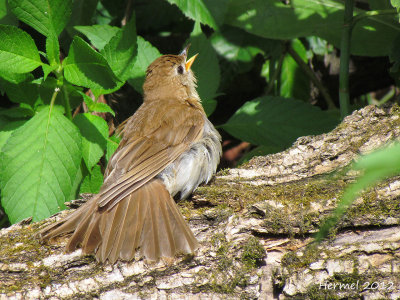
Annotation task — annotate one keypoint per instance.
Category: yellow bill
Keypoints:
(190, 62)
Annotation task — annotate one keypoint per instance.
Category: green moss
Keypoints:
(253, 253)
(295, 197)
(232, 271)
(293, 262)
(375, 209)
(291, 259)
(23, 246)
(316, 293)
(219, 242)
(26, 241)
(289, 208)
(350, 284)
(224, 172)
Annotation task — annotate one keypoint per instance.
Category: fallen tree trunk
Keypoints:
(255, 225)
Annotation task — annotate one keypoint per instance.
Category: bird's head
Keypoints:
(170, 76)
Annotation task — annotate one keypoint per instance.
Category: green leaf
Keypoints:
(386, 159)
(98, 35)
(376, 166)
(86, 67)
(301, 18)
(163, 17)
(108, 11)
(15, 77)
(94, 132)
(82, 12)
(96, 106)
(237, 50)
(47, 69)
(46, 91)
(92, 182)
(49, 17)
(121, 51)
(53, 51)
(319, 46)
(39, 165)
(209, 106)
(101, 107)
(206, 68)
(146, 55)
(98, 92)
(396, 4)
(277, 122)
(237, 46)
(16, 112)
(24, 92)
(7, 129)
(18, 52)
(395, 56)
(112, 145)
(6, 16)
(289, 21)
(217, 9)
(294, 82)
(380, 4)
(199, 11)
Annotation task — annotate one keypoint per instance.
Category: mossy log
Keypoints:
(255, 225)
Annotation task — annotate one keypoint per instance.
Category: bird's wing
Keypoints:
(151, 141)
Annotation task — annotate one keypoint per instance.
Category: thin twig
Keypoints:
(313, 77)
(344, 97)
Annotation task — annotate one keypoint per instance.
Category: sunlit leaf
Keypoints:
(49, 17)
(146, 55)
(92, 182)
(277, 19)
(94, 132)
(205, 67)
(39, 165)
(277, 122)
(112, 145)
(375, 166)
(121, 51)
(86, 67)
(18, 52)
(202, 11)
(99, 35)
(96, 106)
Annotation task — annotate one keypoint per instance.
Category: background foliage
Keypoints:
(267, 74)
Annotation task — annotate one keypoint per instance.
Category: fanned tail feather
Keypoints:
(147, 220)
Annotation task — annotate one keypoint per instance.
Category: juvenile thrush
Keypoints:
(168, 148)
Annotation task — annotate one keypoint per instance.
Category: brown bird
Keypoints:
(168, 148)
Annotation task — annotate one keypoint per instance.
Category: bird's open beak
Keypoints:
(189, 62)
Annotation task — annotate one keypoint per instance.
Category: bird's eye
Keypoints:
(180, 69)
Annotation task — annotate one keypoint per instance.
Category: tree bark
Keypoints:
(255, 225)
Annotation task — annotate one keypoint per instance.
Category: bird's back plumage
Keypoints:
(134, 210)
